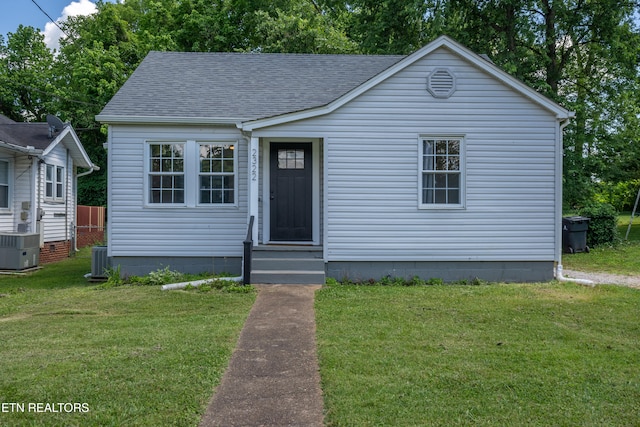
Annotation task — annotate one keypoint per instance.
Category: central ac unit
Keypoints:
(19, 251)
(99, 262)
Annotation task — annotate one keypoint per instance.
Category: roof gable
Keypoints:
(68, 138)
(442, 42)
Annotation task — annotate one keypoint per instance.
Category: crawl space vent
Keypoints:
(441, 83)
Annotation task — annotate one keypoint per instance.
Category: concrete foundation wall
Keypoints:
(493, 271)
(140, 266)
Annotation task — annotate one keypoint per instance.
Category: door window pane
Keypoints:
(290, 159)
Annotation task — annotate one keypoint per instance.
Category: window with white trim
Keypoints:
(54, 183)
(4, 184)
(216, 178)
(166, 173)
(441, 174)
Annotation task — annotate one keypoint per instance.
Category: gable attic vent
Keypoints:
(441, 83)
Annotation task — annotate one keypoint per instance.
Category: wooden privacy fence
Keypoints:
(90, 225)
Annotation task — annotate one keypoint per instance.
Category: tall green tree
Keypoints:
(581, 53)
(99, 53)
(26, 70)
(381, 26)
(302, 29)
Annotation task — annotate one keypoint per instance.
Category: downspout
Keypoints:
(66, 203)
(36, 198)
(559, 276)
(39, 212)
(34, 186)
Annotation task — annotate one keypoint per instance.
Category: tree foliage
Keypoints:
(26, 77)
(584, 54)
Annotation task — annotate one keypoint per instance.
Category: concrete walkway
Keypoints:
(273, 378)
(605, 278)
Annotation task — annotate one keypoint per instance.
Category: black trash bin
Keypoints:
(574, 234)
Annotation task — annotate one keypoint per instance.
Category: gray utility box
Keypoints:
(19, 251)
(574, 234)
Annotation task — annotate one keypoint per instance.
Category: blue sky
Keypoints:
(25, 12)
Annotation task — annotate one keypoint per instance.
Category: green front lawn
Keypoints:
(488, 355)
(496, 354)
(130, 355)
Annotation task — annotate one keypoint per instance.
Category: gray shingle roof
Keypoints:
(24, 134)
(239, 86)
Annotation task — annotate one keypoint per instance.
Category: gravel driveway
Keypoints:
(604, 278)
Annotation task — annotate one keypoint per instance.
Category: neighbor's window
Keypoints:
(4, 184)
(166, 173)
(441, 172)
(217, 174)
(54, 183)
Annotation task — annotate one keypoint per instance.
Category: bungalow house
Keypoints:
(38, 176)
(437, 164)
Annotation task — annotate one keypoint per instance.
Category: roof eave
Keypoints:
(148, 120)
(26, 150)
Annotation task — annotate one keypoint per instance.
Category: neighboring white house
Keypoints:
(436, 164)
(38, 172)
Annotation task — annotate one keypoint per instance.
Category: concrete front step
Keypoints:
(287, 277)
(301, 264)
(287, 265)
(287, 252)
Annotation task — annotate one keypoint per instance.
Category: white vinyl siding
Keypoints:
(372, 155)
(138, 228)
(59, 211)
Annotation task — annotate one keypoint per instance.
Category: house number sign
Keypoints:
(254, 164)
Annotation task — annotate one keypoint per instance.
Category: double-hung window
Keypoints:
(4, 184)
(166, 173)
(441, 173)
(191, 173)
(54, 183)
(216, 174)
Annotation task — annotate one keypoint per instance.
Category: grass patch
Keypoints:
(67, 273)
(533, 354)
(621, 258)
(135, 355)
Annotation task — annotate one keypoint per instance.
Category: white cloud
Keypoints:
(52, 33)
